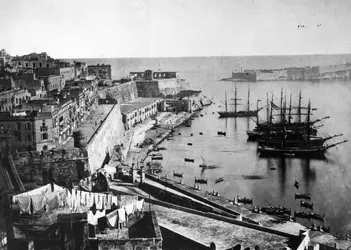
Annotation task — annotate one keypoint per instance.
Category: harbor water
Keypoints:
(267, 181)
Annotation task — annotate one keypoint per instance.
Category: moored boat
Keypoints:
(189, 160)
(302, 215)
(244, 200)
(200, 180)
(306, 204)
(219, 180)
(303, 196)
(220, 132)
(176, 174)
(316, 216)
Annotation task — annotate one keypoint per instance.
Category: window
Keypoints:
(26, 64)
(29, 126)
(29, 137)
(33, 65)
(18, 126)
(40, 65)
(44, 136)
(47, 65)
(19, 138)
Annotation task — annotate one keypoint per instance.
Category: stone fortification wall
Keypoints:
(272, 76)
(148, 89)
(105, 138)
(123, 93)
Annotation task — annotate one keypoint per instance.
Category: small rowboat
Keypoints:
(245, 200)
(302, 215)
(219, 180)
(201, 181)
(189, 160)
(306, 204)
(175, 174)
(189, 144)
(316, 216)
(221, 133)
(303, 196)
(200, 133)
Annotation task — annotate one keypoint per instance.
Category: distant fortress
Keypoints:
(292, 74)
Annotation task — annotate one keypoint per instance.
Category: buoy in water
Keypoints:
(200, 133)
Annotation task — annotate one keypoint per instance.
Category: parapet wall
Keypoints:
(123, 93)
(105, 138)
(148, 89)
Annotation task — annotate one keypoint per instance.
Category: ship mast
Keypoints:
(290, 107)
(308, 122)
(235, 99)
(258, 119)
(299, 109)
(271, 113)
(248, 100)
(226, 102)
(281, 105)
(267, 107)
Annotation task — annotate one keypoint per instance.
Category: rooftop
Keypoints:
(144, 226)
(136, 104)
(224, 235)
(186, 93)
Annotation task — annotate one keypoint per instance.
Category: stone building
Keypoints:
(34, 60)
(184, 101)
(28, 130)
(11, 98)
(159, 83)
(138, 110)
(29, 81)
(101, 71)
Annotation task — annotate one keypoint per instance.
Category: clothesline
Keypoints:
(44, 198)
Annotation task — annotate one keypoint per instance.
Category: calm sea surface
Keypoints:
(329, 181)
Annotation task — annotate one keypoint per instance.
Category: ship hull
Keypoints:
(315, 153)
(223, 114)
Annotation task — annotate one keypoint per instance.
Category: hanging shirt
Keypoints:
(38, 202)
(121, 215)
(73, 198)
(90, 199)
(114, 200)
(68, 199)
(107, 201)
(99, 200)
(91, 219)
(129, 208)
(139, 205)
(24, 203)
(84, 198)
(52, 201)
(112, 218)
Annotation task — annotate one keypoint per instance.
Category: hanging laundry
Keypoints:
(99, 200)
(38, 202)
(24, 203)
(114, 200)
(90, 199)
(129, 209)
(52, 201)
(100, 214)
(68, 199)
(84, 198)
(139, 205)
(73, 198)
(107, 201)
(121, 215)
(112, 218)
(91, 219)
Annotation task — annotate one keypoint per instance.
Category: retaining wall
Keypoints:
(105, 138)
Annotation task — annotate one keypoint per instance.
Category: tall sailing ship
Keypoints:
(295, 144)
(299, 126)
(236, 113)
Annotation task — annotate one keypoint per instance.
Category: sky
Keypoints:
(175, 28)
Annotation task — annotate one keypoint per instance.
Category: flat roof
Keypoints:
(136, 104)
(225, 235)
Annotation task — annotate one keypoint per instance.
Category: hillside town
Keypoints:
(78, 170)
